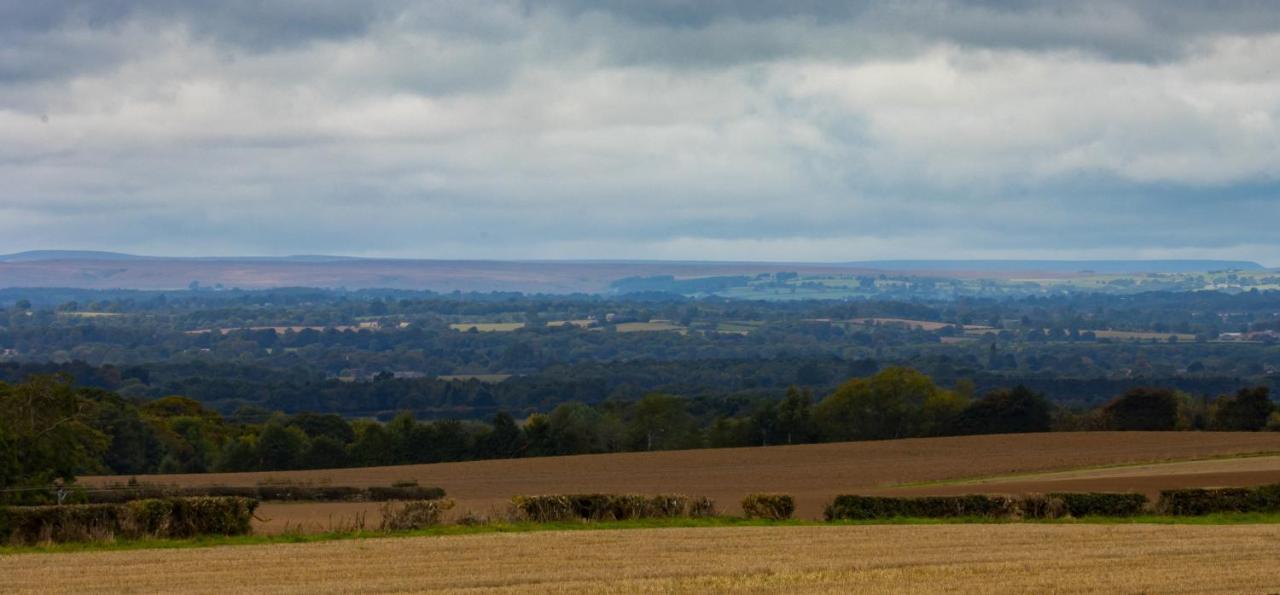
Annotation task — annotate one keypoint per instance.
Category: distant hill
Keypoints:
(47, 255)
(1063, 266)
(111, 270)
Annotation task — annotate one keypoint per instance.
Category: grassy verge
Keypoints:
(983, 479)
(484, 529)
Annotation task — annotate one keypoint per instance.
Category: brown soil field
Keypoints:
(1147, 479)
(1015, 558)
(812, 473)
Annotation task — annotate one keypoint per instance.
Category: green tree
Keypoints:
(1143, 409)
(891, 404)
(1247, 411)
(325, 452)
(373, 446)
(537, 430)
(316, 425)
(506, 440)
(44, 434)
(795, 419)
(1006, 412)
(281, 447)
(239, 454)
(661, 422)
(574, 428)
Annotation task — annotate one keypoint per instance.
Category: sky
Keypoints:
(701, 130)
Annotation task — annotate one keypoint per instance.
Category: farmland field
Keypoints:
(488, 327)
(835, 559)
(1144, 478)
(812, 473)
(651, 326)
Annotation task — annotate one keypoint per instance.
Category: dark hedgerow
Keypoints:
(774, 507)
(265, 493)
(1195, 502)
(1101, 504)
(163, 518)
(609, 507)
(850, 507)
(413, 515)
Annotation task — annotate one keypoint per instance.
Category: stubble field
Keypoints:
(1025, 558)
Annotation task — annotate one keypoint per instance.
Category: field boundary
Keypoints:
(636, 524)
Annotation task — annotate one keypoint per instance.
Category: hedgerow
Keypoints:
(851, 507)
(1079, 504)
(1034, 506)
(609, 507)
(1195, 502)
(163, 518)
(775, 507)
(264, 493)
(417, 514)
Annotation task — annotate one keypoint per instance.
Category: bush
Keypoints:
(1041, 506)
(171, 517)
(1101, 504)
(417, 514)
(774, 507)
(1195, 502)
(880, 507)
(609, 507)
(386, 494)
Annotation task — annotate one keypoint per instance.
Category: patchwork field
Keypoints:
(812, 473)
(1024, 558)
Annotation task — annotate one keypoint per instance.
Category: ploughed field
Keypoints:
(813, 474)
(1023, 558)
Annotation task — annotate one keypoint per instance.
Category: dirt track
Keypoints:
(812, 473)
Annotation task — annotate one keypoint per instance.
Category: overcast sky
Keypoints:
(725, 130)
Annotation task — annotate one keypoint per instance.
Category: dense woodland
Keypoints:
(373, 354)
(63, 431)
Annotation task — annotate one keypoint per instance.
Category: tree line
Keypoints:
(51, 430)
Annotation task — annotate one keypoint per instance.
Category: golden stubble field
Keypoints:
(1023, 558)
(812, 473)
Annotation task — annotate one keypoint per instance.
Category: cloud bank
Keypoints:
(653, 130)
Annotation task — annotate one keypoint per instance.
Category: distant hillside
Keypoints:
(47, 255)
(1064, 266)
(110, 270)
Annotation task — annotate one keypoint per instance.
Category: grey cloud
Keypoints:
(804, 130)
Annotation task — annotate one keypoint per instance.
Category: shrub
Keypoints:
(1195, 502)
(170, 517)
(385, 494)
(774, 507)
(416, 514)
(609, 507)
(209, 515)
(1041, 506)
(879, 507)
(1101, 504)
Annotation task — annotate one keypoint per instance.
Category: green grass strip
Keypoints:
(491, 528)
